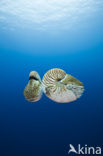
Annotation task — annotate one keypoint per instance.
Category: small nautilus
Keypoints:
(61, 87)
(33, 90)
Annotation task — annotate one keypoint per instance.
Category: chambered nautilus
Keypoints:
(33, 90)
(57, 85)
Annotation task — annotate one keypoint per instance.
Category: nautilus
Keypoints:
(33, 90)
(56, 84)
(61, 87)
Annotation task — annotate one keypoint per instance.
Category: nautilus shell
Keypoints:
(33, 90)
(61, 87)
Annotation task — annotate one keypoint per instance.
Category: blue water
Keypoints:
(46, 128)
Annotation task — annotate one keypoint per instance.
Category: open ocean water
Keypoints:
(41, 35)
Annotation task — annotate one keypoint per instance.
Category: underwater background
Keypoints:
(41, 35)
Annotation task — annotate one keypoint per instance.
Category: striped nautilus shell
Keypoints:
(61, 87)
(33, 90)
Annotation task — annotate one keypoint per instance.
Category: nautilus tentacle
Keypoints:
(33, 90)
(61, 87)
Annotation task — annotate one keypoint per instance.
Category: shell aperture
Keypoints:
(33, 90)
(61, 87)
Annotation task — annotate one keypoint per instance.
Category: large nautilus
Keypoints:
(61, 87)
(56, 84)
(33, 90)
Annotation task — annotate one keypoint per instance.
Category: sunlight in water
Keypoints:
(43, 14)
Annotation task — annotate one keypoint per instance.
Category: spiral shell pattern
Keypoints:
(61, 87)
